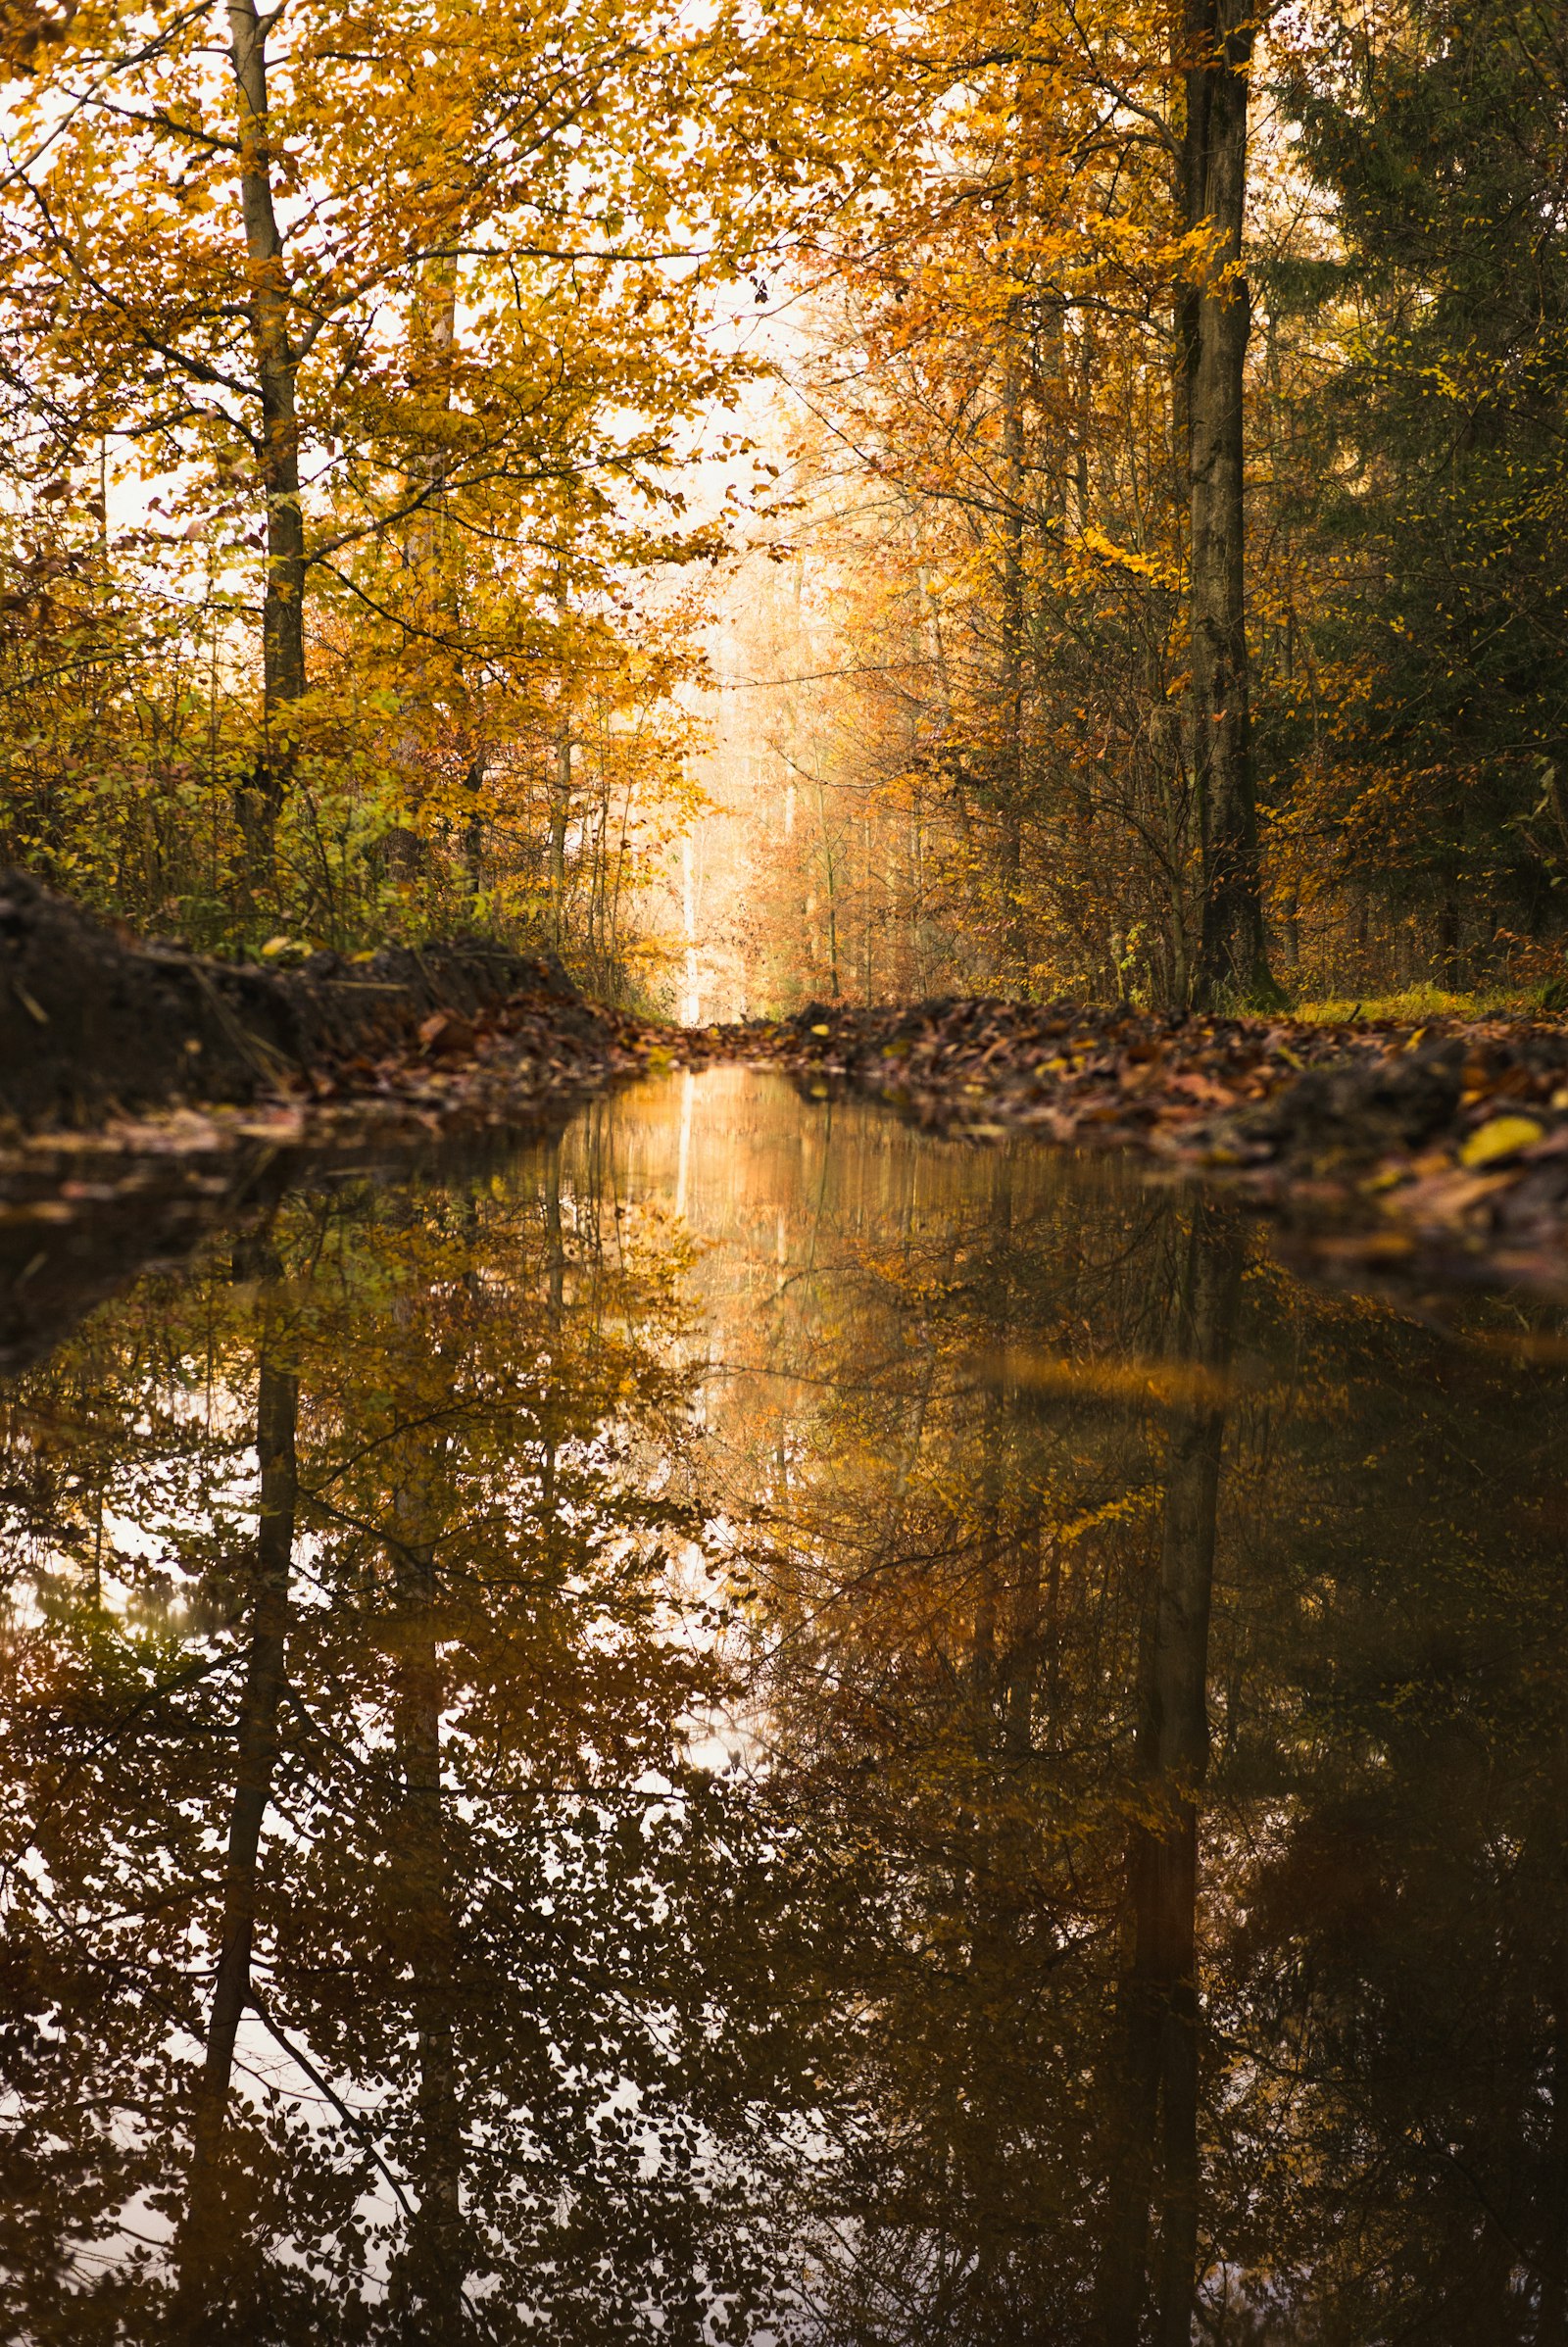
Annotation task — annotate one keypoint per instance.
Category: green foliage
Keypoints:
(1419, 747)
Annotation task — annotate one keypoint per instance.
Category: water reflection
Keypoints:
(751, 1726)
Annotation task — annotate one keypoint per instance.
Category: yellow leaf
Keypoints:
(1499, 1137)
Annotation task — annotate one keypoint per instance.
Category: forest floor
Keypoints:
(139, 1084)
(1441, 1147)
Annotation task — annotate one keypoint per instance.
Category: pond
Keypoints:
(747, 1725)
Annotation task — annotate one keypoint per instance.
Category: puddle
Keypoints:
(747, 1725)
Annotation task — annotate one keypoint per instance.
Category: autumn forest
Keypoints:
(781, 502)
(784, 1173)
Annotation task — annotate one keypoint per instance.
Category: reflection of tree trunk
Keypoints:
(998, 1416)
(997, 1827)
(555, 1241)
(277, 1414)
(556, 1268)
(1156, 2154)
(1551, 2220)
(428, 2286)
(1552, 2253)
(1023, 1657)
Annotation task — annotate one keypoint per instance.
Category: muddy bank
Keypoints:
(131, 1070)
(147, 1094)
(1443, 1147)
(95, 1026)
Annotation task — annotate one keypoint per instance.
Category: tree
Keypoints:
(1215, 55)
(1024, 478)
(235, 280)
(1419, 739)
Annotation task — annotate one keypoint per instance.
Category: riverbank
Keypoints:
(1443, 1147)
(1442, 1144)
(97, 1027)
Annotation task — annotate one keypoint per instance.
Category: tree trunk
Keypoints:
(559, 814)
(1216, 49)
(1154, 2152)
(1013, 630)
(474, 827)
(439, 605)
(261, 800)
(834, 989)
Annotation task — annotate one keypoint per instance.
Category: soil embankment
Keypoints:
(147, 1094)
(1442, 1147)
(95, 1026)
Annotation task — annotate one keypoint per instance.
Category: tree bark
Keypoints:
(1014, 635)
(439, 601)
(283, 678)
(1213, 319)
(473, 828)
(559, 816)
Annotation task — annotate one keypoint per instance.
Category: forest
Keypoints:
(783, 1173)
(781, 502)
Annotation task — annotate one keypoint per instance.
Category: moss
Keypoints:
(1416, 1004)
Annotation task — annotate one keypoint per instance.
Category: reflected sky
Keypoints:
(745, 1725)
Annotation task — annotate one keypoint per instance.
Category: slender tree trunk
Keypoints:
(1216, 51)
(834, 988)
(1155, 2155)
(1014, 641)
(473, 828)
(263, 798)
(438, 603)
(559, 813)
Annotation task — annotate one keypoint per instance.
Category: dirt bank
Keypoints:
(94, 1025)
(147, 1094)
(1444, 1147)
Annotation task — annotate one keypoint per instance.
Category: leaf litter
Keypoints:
(1442, 1150)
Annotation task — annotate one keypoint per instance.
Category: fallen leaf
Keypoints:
(1499, 1137)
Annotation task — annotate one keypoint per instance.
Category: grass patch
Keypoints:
(1414, 1005)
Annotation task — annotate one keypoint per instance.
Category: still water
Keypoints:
(746, 1726)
